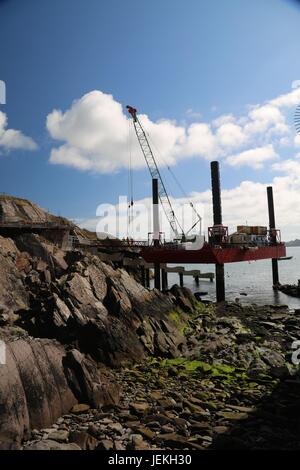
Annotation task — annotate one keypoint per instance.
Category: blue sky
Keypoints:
(185, 61)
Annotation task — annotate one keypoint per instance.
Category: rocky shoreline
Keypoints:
(291, 289)
(65, 320)
(235, 388)
(95, 361)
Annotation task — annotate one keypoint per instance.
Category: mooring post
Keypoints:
(196, 278)
(155, 229)
(181, 279)
(272, 227)
(217, 210)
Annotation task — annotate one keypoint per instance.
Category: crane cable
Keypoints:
(130, 185)
(189, 201)
(176, 181)
(155, 172)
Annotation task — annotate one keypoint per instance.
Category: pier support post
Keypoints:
(157, 276)
(272, 226)
(164, 279)
(196, 278)
(220, 283)
(217, 210)
(155, 230)
(181, 279)
(143, 279)
(147, 277)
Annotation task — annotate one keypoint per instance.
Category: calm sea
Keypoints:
(252, 278)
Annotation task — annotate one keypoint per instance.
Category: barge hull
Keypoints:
(212, 255)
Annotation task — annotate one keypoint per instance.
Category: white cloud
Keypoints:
(265, 117)
(13, 139)
(224, 119)
(199, 140)
(231, 135)
(94, 137)
(245, 203)
(297, 140)
(94, 133)
(254, 158)
(267, 114)
(287, 100)
(248, 202)
(290, 166)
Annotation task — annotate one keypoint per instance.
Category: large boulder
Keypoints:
(39, 382)
(90, 383)
(34, 390)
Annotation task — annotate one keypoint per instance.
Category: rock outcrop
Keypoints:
(65, 317)
(15, 209)
(39, 382)
(290, 289)
(33, 389)
(83, 301)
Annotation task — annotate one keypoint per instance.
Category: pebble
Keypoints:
(105, 444)
(167, 429)
(59, 435)
(116, 427)
(80, 408)
(199, 410)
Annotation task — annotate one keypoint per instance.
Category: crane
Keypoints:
(155, 173)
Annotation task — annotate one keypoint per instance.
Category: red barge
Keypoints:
(248, 245)
(211, 254)
(218, 250)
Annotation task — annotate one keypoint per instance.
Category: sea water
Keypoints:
(253, 278)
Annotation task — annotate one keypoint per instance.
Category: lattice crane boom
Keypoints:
(155, 173)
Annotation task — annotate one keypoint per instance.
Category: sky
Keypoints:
(211, 80)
